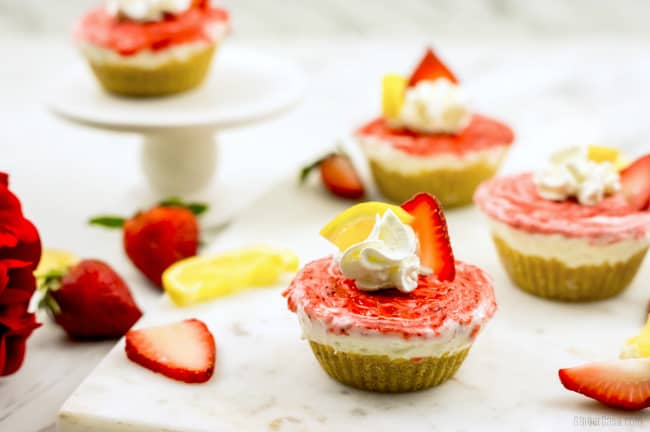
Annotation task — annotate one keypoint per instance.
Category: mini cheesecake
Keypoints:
(428, 139)
(394, 311)
(564, 250)
(157, 57)
(450, 166)
(391, 341)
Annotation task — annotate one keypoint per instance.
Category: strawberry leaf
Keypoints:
(306, 170)
(195, 207)
(108, 221)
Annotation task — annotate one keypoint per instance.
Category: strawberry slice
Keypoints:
(623, 384)
(338, 175)
(431, 68)
(635, 180)
(184, 351)
(431, 228)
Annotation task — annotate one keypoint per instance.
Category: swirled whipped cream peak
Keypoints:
(571, 174)
(386, 259)
(146, 10)
(437, 106)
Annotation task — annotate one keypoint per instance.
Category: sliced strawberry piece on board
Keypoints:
(623, 384)
(183, 351)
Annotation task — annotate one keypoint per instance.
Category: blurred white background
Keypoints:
(456, 18)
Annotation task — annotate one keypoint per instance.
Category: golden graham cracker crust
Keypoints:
(384, 374)
(172, 77)
(453, 187)
(551, 279)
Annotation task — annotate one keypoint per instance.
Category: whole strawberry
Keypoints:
(90, 301)
(157, 238)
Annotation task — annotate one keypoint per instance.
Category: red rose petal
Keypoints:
(3, 354)
(28, 245)
(13, 295)
(22, 279)
(15, 354)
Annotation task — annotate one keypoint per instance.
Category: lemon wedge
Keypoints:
(354, 224)
(202, 278)
(607, 154)
(602, 153)
(392, 97)
(54, 260)
(638, 346)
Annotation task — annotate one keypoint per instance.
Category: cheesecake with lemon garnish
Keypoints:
(429, 140)
(203, 278)
(576, 230)
(392, 310)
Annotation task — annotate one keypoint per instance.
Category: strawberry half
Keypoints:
(430, 69)
(430, 226)
(635, 181)
(183, 351)
(623, 384)
(338, 176)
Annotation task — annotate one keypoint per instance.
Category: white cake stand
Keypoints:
(179, 141)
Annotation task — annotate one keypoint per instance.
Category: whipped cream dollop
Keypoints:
(437, 106)
(571, 173)
(147, 10)
(386, 259)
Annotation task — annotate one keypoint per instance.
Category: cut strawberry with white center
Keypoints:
(623, 384)
(431, 69)
(430, 226)
(184, 351)
(635, 180)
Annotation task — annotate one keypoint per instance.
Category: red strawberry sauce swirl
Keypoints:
(481, 134)
(128, 37)
(514, 201)
(322, 292)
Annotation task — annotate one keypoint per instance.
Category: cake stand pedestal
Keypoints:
(179, 133)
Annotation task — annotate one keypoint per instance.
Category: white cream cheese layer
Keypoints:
(452, 337)
(148, 59)
(572, 252)
(391, 346)
(392, 159)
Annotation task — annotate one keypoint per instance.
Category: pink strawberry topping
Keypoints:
(514, 201)
(127, 37)
(324, 294)
(481, 134)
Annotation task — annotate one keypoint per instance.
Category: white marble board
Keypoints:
(267, 379)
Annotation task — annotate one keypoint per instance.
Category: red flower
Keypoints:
(20, 251)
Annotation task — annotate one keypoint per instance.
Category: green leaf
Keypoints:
(197, 208)
(108, 221)
(305, 171)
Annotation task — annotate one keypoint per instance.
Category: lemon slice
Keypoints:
(204, 278)
(602, 153)
(607, 154)
(638, 346)
(392, 97)
(354, 224)
(54, 260)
